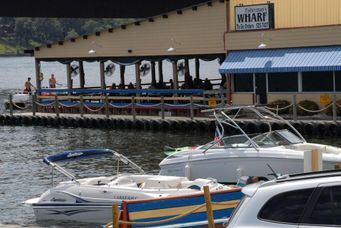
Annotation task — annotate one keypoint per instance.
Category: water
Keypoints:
(23, 175)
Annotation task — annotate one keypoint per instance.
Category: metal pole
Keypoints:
(81, 106)
(106, 106)
(10, 99)
(115, 216)
(334, 108)
(191, 108)
(162, 108)
(294, 108)
(210, 217)
(56, 105)
(133, 111)
(34, 100)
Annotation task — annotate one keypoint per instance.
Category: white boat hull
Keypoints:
(228, 165)
(91, 199)
(88, 214)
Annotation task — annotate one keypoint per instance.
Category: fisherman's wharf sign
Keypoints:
(254, 17)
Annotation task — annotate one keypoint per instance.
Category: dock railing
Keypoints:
(165, 102)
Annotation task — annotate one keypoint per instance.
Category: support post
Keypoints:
(37, 67)
(294, 108)
(187, 73)
(10, 99)
(34, 105)
(191, 108)
(56, 105)
(115, 215)
(229, 89)
(133, 111)
(122, 71)
(68, 76)
(160, 71)
(175, 75)
(81, 75)
(137, 75)
(197, 68)
(334, 108)
(313, 161)
(210, 217)
(101, 70)
(106, 106)
(81, 106)
(162, 107)
(153, 74)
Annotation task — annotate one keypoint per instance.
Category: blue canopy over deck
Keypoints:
(283, 60)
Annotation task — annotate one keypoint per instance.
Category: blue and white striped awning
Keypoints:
(283, 60)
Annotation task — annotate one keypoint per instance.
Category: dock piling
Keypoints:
(56, 105)
(115, 215)
(10, 99)
(209, 210)
(34, 105)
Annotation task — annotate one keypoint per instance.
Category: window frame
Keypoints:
(303, 212)
(311, 206)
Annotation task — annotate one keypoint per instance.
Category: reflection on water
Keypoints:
(24, 175)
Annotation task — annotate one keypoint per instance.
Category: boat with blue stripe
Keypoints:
(148, 212)
(90, 199)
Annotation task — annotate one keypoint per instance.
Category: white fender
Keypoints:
(188, 171)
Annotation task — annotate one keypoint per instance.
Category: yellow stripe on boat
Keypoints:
(180, 210)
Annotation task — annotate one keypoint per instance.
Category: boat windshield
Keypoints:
(276, 138)
(269, 139)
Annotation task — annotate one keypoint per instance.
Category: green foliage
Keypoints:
(280, 104)
(309, 105)
(17, 34)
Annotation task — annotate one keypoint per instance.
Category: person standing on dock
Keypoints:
(28, 86)
(52, 81)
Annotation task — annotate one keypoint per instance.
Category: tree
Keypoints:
(23, 30)
(71, 34)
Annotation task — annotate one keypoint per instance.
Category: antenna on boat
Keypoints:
(273, 171)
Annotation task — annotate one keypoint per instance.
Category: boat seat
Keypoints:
(123, 181)
(164, 182)
(95, 181)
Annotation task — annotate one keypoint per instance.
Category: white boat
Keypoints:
(90, 199)
(19, 101)
(230, 157)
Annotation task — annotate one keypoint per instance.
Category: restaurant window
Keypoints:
(317, 81)
(243, 82)
(283, 82)
(337, 80)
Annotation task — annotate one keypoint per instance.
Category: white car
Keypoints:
(301, 200)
